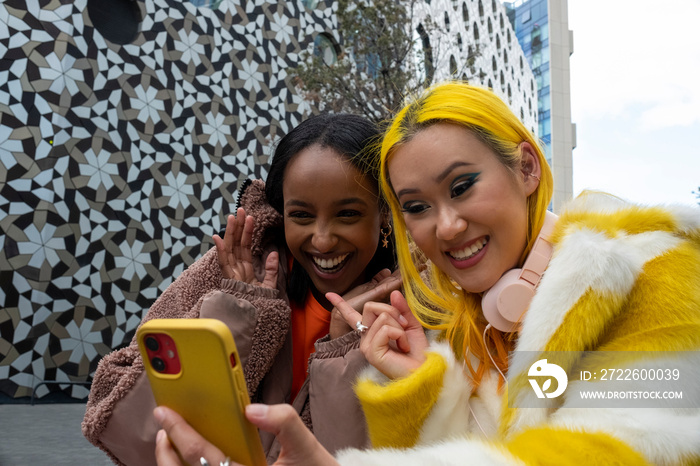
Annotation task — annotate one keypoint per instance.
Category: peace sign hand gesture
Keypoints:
(235, 256)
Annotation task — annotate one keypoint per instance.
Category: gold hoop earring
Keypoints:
(385, 234)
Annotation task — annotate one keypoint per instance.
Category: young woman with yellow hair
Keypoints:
(610, 289)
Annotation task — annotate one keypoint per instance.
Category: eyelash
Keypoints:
(341, 214)
(464, 181)
(299, 214)
(413, 209)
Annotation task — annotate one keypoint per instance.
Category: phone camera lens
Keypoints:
(158, 364)
(152, 344)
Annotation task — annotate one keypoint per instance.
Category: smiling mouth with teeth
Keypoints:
(469, 251)
(330, 265)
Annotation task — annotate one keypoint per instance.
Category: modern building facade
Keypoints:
(473, 40)
(125, 130)
(541, 27)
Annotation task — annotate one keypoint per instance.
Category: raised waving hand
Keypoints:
(235, 256)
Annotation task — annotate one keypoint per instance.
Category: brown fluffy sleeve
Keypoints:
(117, 372)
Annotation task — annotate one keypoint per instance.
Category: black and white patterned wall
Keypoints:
(119, 162)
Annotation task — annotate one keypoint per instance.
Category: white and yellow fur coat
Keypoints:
(622, 278)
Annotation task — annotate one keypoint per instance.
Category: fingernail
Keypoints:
(257, 410)
(160, 435)
(403, 320)
(159, 414)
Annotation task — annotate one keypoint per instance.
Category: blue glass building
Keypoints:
(530, 21)
(541, 27)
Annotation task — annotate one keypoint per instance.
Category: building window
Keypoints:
(325, 48)
(527, 16)
(310, 4)
(459, 41)
(425, 54)
(447, 21)
(453, 66)
(536, 39)
(213, 4)
(454, 4)
(476, 33)
(117, 20)
(370, 64)
(465, 14)
(481, 10)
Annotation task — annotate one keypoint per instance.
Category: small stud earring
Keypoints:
(385, 234)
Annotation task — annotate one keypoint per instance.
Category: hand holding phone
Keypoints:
(299, 446)
(194, 369)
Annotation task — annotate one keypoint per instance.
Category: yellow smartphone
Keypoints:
(194, 369)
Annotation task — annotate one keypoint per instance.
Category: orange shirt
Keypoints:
(309, 323)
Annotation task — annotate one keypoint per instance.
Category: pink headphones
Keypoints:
(506, 301)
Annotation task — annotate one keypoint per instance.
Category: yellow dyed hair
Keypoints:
(443, 305)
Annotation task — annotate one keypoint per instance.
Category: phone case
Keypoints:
(194, 369)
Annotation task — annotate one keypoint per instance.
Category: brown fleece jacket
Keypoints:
(118, 371)
(118, 416)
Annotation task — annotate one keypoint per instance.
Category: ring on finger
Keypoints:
(360, 328)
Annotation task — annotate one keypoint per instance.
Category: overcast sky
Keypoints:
(635, 98)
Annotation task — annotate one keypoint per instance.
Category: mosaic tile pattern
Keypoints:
(118, 163)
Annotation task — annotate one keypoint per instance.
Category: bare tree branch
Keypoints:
(382, 61)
